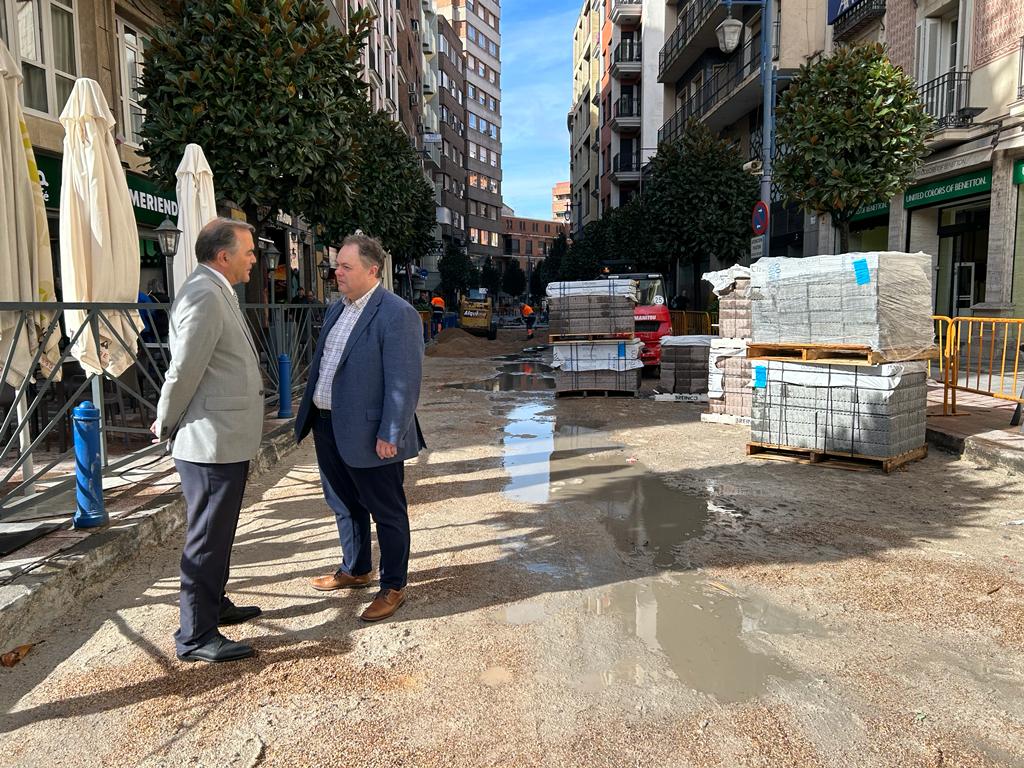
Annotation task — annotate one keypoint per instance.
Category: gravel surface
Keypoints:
(594, 582)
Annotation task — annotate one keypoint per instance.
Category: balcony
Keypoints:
(627, 58)
(947, 100)
(626, 168)
(694, 34)
(731, 92)
(856, 18)
(626, 114)
(1020, 72)
(626, 11)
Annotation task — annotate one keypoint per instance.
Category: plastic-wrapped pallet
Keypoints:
(882, 300)
(734, 310)
(729, 378)
(684, 364)
(876, 411)
(592, 307)
(597, 355)
(598, 380)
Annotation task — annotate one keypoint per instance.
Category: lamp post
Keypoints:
(728, 33)
(324, 268)
(167, 236)
(271, 256)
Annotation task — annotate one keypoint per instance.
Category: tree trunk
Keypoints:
(844, 236)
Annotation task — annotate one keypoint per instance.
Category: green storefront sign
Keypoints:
(965, 185)
(152, 204)
(871, 211)
(1018, 172)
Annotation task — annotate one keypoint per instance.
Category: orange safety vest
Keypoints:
(527, 310)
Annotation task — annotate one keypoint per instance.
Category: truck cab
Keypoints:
(652, 320)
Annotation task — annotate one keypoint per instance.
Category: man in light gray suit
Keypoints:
(211, 406)
(360, 404)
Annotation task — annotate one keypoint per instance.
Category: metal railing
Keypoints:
(982, 355)
(692, 19)
(627, 106)
(626, 162)
(1020, 70)
(856, 18)
(628, 52)
(947, 99)
(691, 323)
(36, 451)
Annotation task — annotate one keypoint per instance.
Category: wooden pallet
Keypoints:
(597, 393)
(554, 338)
(839, 354)
(839, 459)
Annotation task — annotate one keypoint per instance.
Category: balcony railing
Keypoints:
(627, 106)
(1020, 71)
(626, 8)
(626, 162)
(628, 52)
(691, 20)
(947, 100)
(741, 65)
(856, 18)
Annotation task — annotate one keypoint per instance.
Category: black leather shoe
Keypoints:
(237, 614)
(219, 649)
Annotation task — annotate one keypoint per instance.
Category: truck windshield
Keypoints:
(652, 292)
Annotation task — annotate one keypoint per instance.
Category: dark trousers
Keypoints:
(213, 499)
(357, 494)
(438, 318)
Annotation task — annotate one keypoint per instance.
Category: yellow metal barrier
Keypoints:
(985, 358)
(691, 323)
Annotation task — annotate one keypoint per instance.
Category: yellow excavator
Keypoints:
(476, 314)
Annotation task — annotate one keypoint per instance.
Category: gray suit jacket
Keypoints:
(211, 403)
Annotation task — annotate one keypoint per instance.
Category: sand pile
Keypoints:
(455, 342)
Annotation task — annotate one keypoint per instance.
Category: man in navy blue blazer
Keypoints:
(360, 404)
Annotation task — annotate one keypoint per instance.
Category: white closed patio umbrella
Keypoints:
(197, 207)
(26, 272)
(99, 242)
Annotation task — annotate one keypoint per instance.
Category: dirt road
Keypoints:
(594, 583)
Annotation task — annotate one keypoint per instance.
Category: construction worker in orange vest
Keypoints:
(530, 319)
(437, 314)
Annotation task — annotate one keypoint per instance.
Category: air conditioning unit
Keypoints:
(414, 99)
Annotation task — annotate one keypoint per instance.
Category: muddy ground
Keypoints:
(594, 583)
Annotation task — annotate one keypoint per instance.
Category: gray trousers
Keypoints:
(213, 500)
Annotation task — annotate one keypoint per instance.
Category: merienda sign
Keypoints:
(837, 8)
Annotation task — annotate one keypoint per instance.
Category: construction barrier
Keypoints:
(691, 323)
(984, 359)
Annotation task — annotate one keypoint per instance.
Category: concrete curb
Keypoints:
(84, 570)
(979, 450)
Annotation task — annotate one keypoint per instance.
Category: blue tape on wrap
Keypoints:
(760, 377)
(861, 272)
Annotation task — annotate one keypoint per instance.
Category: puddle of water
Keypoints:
(524, 613)
(514, 377)
(528, 444)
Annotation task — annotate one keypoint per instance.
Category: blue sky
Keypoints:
(536, 73)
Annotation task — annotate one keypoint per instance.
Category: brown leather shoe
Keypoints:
(339, 580)
(384, 604)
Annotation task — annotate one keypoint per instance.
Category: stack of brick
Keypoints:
(729, 377)
(592, 336)
(880, 302)
(684, 365)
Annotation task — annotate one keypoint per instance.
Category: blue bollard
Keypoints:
(284, 376)
(91, 511)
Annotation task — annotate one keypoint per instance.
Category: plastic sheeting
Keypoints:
(882, 300)
(720, 350)
(607, 355)
(687, 341)
(722, 281)
(619, 287)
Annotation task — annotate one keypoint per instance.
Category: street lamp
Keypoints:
(728, 33)
(167, 237)
(324, 269)
(271, 257)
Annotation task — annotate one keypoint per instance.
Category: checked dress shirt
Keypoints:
(334, 347)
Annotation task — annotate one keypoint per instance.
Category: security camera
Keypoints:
(754, 167)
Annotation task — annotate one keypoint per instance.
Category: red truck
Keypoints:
(652, 318)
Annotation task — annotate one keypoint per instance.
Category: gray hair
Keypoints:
(370, 250)
(219, 235)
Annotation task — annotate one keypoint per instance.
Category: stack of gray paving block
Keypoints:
(609, 381)
(684, 367)
(590, 315)
(876, 411)
(737, 396)
(881, 300)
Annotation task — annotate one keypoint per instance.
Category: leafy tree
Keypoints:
(854, 131)
(551, 268)
(267, 88)
(583, 261)
(390, 199)
(537, 283)
(698, 200)
(490, 278)
(456, 270)
(513, 282)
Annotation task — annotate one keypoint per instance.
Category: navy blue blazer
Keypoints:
(377, 386)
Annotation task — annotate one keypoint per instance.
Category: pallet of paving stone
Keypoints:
(838, 459)
(724, 418)
(594, 382)
(837, 354)
(583, 315)
(570, 337)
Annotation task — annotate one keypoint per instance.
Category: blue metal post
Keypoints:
(284, 377)
(90, 511)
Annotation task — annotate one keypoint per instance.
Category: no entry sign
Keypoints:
(759, 219)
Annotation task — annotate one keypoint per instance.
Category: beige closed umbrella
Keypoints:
(197, 207)
(26, 272)
(99, 242)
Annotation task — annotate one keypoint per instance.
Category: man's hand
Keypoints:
(386, 450)
(156, 436)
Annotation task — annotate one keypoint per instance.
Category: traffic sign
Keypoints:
(759, 219)
(423, 274)
(756, 247)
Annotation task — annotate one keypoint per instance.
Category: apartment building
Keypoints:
(380, 56)
(478, 25)
(561, 201)
(584, 119)
(966, 207)
(410, 60)
(450, 179)
(529, 241)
